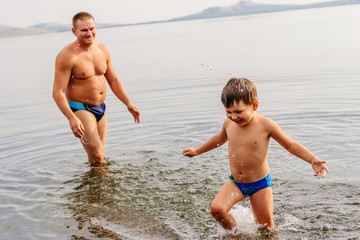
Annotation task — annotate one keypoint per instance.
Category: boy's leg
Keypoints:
(92, 142)
(262, 207)
(227, 197)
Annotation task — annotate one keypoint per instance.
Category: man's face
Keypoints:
(85, 31)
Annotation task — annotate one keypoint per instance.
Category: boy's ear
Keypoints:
(255, 105)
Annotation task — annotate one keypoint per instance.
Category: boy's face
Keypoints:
(241, 113)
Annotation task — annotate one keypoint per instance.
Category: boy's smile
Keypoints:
(240, 113)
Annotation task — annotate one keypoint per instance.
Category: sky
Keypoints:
(24, 13)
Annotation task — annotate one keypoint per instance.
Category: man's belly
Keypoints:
(91, 96)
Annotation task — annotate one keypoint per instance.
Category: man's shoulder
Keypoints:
(66, 55)
(67, 51)
(102, 47)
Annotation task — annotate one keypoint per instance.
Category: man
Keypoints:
(80, 90)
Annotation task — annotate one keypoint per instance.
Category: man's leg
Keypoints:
(92, 142)
(102, 130)
(262, 207)
(227, 197)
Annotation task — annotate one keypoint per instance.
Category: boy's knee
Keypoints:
(217, 210)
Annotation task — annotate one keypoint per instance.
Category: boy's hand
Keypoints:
(189, 152)
(319, 168)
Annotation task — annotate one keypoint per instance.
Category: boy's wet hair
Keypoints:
(81, 16)
(238, 89)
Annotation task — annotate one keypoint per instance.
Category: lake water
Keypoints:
(306, 65)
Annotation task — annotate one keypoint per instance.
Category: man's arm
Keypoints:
(297, 149)
(214, 142)
(61, 81)
(119, 90)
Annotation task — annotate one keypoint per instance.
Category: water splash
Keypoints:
(245, 222)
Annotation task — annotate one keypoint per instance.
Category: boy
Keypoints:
(249, 134)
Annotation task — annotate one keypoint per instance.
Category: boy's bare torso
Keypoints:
(87, 83)
(248, 148)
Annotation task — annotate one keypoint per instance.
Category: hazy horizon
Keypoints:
(23, 13)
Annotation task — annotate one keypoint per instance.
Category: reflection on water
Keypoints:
(158, 202)
(92, 197)
(111, 202)
(100, 203)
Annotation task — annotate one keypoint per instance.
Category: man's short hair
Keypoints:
(81, 16)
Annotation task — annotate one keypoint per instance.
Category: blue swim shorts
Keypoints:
(249, 189)
(98, 110)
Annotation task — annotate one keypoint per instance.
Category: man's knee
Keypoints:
(96, 155)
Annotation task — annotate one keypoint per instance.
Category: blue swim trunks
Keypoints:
(249, 189)
(98, 110)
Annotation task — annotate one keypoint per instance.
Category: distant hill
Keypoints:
(249, 7)
(42, 28)
(52, 27)
(238, 9)
(8, 31)
(64, 27)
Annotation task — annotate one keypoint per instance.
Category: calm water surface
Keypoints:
(306, 65)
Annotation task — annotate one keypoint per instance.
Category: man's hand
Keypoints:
(134, 111)
(77, 127)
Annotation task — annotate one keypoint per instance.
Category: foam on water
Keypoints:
(245, 222)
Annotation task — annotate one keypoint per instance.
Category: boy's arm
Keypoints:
(298, 150)
(214, 142)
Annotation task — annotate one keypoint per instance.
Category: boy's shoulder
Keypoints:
(264, 120)
(226, 122)
(258, 119)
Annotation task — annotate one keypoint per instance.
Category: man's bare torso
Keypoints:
(248, 148)
(87, 83)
